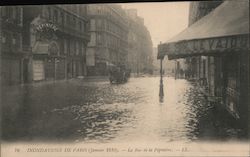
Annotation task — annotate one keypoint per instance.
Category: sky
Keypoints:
(163, 19)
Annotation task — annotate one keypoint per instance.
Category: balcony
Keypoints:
(13, 49)
(26, 49)
(10, 23)
(74, 32)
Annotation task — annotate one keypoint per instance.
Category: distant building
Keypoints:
(168, 66)
(108, 38)
(140, 47)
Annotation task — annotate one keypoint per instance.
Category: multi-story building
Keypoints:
(108, 38)
(58, 37)
(222, 66)
(14, 54)
(198, 66)
(226, 75)
(46, 42)
(140, 47)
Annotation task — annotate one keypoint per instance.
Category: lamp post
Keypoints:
(161, 92)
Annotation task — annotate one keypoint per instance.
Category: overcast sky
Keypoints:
(163, 19)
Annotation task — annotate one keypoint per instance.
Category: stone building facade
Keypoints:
(45, 42)
(14, 54)
(58, 36)
(140, 47)
(118, 37)
(108, 38)
(225, 76)
(198, 66)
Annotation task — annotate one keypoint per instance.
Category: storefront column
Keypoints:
(55, 62)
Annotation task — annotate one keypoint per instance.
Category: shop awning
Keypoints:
(225, 28)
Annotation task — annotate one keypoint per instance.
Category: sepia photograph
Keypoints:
(125, 79)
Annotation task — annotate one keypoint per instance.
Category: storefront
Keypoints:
(47, 64)
(223, 37)
(38, 70)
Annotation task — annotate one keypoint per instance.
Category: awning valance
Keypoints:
(225, 28)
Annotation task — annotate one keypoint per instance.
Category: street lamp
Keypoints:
(161, 92)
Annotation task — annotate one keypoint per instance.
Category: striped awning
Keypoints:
(225, 28)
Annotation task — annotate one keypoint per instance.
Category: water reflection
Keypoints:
(99, 112)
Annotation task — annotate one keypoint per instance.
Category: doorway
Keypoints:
(25, 70)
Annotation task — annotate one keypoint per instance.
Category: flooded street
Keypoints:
(96, 111)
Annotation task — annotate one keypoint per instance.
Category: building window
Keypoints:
(10, 12)
(83, 49)
(67, 19)
(55, 16)
(3, 38)
(74, 22)
(83, 27)
(14, 13)
(65, 46)
(4, 11)
(74, 47)
(61, 47)
(6, 37)
(99, 39)
(14, 41)
(79, 25)
(68, 47)
(78, 10)
(77, 48)
(62, 18)
(99, 24)
(80, 48)
(46, 12)
(99, 9)
(50, 13)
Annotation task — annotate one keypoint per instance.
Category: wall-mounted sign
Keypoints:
(46, 26)
(202, 46)
(46, 30)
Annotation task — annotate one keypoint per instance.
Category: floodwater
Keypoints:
(96, 111)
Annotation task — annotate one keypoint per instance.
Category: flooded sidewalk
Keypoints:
(96, 111)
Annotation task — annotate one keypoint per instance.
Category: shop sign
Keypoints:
(204, 45)
(46, 26)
